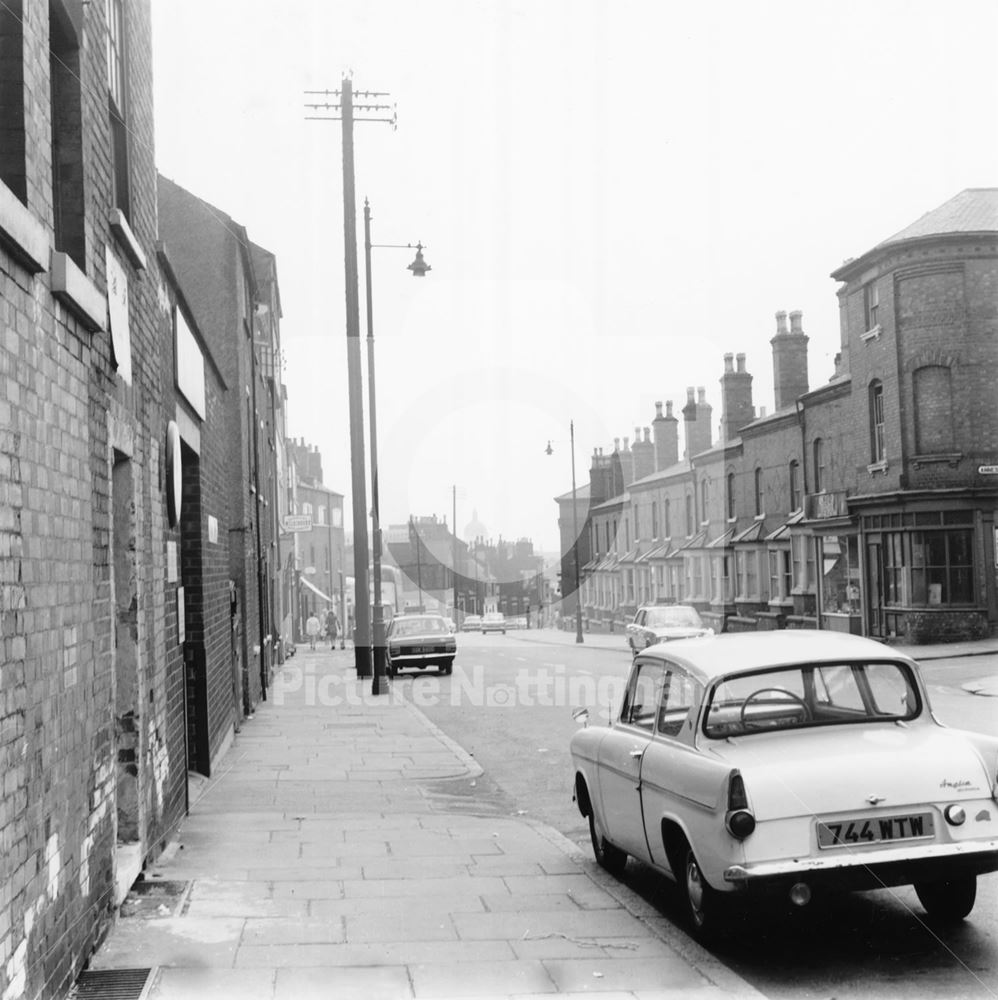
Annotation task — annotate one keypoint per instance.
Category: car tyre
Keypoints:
(948, 900)
(613, 859)
(702, 903)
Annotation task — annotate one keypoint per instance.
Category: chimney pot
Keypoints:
(616, 444)
(690, 394)
(728, 365)
(658, 410)
(647, 434)
(795, 321)
(627, 444)
(781, 321)
(668, 408)
(740, 359)
(701, 394)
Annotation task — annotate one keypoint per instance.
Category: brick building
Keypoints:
(215, 265)
(866, 504)
(138, 491)
(84, 706)
(315, 556)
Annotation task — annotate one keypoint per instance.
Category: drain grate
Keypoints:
(111, 984)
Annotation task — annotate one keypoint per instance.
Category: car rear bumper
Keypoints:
(870, 869)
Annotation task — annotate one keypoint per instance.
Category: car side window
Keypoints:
(644, 695)
(639, 618)
(680, 695)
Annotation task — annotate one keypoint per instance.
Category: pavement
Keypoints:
(333, 854)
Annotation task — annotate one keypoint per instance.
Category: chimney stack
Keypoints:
(736, 398)
(666, 437)
(643, 453)
(789, 360)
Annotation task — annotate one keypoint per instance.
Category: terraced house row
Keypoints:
(142, 480)
(867, 504)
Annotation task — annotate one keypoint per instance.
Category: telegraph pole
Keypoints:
(362, 598)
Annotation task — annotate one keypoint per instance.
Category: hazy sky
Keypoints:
(612, 195)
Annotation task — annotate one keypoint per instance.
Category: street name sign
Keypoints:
(297, 522)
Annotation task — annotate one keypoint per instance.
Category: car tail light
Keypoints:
(739, 818)
(955, 815)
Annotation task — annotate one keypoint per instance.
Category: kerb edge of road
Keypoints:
(706, 964)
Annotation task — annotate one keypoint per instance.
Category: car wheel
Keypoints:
(948, 900)
(702, 903)
(613, 859)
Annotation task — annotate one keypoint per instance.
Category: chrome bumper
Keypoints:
(912, 854)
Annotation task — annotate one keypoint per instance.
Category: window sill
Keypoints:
(22, 233)
(123, 233)
(872, 334)
(950, 458)
(77, 292)
(876, 467)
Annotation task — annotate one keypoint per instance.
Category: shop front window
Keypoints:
(942, 564)
(840, 580)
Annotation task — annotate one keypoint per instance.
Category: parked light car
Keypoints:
(663, 623)
(786, 762)
(420, 641)
(493, 621)
(471, 623)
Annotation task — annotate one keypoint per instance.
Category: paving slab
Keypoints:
(325, 858)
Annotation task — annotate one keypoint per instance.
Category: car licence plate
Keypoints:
(875, 829)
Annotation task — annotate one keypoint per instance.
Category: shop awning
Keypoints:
(315, 590)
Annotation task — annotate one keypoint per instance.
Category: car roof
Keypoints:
(418, 615)
(744, 652)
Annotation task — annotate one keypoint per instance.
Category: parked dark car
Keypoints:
(420, 641)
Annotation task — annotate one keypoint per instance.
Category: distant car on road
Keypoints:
(785, 764)
(471, 623)
(493, 621)
(663, 623)
(420, 641)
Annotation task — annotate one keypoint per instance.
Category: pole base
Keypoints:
(380, 685)
(362, 660)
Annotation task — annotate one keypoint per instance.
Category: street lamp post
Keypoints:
(575, 537)
(419, 268)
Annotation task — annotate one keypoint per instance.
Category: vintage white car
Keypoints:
(664, 623)
(783, 764)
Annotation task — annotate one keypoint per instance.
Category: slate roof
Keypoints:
(974, 210)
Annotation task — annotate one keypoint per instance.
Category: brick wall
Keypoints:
(62, 408)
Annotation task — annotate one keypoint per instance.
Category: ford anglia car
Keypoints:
(420, 641)
(784, 764)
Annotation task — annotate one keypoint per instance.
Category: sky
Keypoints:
(612, 195)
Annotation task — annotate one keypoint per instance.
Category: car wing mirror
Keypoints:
(581, 715)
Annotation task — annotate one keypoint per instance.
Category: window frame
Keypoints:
(876, 412)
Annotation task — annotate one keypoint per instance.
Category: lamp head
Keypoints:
(419, 267)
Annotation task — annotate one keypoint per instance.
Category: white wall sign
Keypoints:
(190, 367)
(171, 562)
(181, 613)
(212, 529)
(117, 312)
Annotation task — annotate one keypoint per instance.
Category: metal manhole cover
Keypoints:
(110, 984)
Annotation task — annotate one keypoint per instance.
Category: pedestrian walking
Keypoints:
(332, 627)
(312, 627)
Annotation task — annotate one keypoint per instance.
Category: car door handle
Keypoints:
(638, 752)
